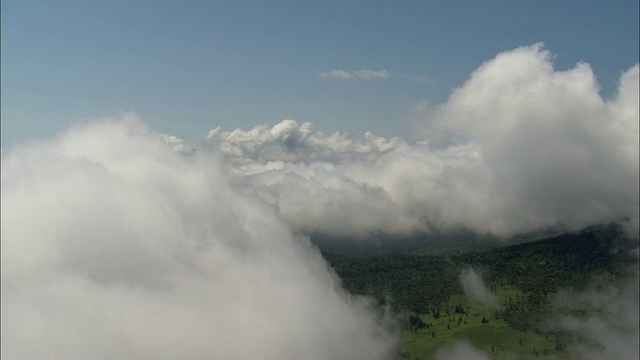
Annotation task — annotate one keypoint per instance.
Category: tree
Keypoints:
(436, 314)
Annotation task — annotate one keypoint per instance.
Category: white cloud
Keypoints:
(474, 287)
(357, 74)
(518, 147)
(116, 246)
(178, 144)
(553, 149)
(337, 74)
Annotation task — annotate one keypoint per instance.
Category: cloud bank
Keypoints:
(553, 150)
(519, 147)
(115, 245)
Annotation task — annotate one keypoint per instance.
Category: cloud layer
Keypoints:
(114, 245)
(520, 146)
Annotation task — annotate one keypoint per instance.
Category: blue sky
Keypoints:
(189, 66)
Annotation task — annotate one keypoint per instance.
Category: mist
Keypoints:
(609, 333)
(461, 351)
(122, 242)
(114, 245)
(475, 289)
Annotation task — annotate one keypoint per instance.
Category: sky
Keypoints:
(188, 67)
(163, 165)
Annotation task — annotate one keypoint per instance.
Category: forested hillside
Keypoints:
(418, 282)
(566, 260)
(424, 288)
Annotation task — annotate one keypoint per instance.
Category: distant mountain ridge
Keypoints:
(436, 242)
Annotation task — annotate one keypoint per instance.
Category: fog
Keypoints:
(460, 351)
(122, 242)
(611, 332)
(116, 246)
(476, 290)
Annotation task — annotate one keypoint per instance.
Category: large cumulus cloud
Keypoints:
(116, 246)
(555, 150)
(520, 146)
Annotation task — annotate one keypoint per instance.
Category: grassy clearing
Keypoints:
(496, 338)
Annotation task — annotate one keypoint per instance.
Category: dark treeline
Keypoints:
(545, 265)
(542, 267)
(409, 282)
(423, 283)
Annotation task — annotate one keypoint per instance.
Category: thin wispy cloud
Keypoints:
(364, 74)
(357, 74)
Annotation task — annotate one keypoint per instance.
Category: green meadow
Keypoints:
(495, 337)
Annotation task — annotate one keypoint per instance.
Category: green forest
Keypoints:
(422, 288)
